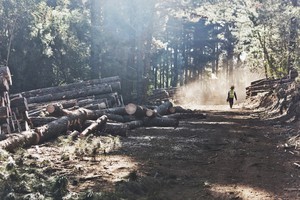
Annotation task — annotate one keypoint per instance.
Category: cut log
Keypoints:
(135, 124)
(115, 129)
(73, 135)
(71, 86)
(136, 110)
(94, 126)
(56, 110)
(4, 112)
(150, 113)
(164, 108)
(97, 106)
(61, 125)
(40, 121)
(160, 122)
(88, 91)
(179, 109)
(22, 139)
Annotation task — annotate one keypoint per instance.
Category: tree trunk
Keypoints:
(96, 30)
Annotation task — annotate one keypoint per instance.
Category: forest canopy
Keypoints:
(148, 43)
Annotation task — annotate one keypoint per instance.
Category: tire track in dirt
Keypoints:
(230, 155)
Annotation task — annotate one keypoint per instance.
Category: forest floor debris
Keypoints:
(231, 154)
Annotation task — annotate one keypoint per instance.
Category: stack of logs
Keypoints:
(13, 111)
(82, 122)
(264, 85)
(162, 94)
(80, 109)
(91, 94)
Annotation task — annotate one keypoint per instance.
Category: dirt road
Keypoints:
(230, 155)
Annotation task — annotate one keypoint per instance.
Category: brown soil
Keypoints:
(231, 154)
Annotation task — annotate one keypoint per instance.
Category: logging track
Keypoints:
(231, 154)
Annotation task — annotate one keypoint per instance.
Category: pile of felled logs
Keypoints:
(82, 122)
(162, 94)
(268, 85)
(264, 85)
(13, 111)
(91, 94)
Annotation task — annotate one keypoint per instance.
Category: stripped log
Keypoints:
(94, 126)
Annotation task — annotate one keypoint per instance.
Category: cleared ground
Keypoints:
(231, 154)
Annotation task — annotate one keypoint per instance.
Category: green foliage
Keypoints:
(149, 44)
(262, 29)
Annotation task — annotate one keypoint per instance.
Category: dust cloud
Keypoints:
(213, 90)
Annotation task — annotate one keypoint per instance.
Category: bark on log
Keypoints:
(71, 86)
(22, 139)
(186, 116)
(115, 129)
(56, 110)
(88, 91)
(135, 124)
(179, 109)
(97, 106)
(120, 118)
(160, 122)
(94, 126)
(40, 121)
(136, 110)
(163, 109)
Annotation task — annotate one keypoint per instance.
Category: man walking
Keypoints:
(231, 95)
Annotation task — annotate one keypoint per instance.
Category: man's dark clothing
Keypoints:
(231, 96)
